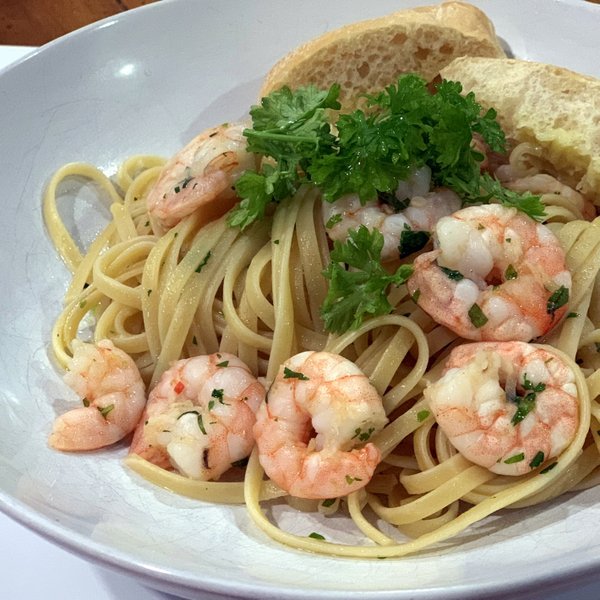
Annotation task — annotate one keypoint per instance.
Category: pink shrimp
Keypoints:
(510, 406)
(543, 183)
(201, 176)
(494, 274)
(326, 394)
(199, 417)
(113, 394)
(423, 209)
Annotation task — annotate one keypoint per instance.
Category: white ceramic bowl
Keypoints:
(146, 81)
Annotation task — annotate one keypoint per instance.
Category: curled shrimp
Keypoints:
(113, 394)
(201, 177)
(543, 183)
(495, 274)
(318, 409)
(199, 417)
(421, 213)
(509, 406)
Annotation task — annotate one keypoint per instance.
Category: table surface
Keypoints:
(35, 22)
(31, 567)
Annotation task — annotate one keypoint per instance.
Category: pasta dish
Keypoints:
(369, 313)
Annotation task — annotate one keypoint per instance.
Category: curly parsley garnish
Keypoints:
(358, 282)
(290, 127)
(403, 128)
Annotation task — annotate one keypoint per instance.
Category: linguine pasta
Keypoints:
(257, 294)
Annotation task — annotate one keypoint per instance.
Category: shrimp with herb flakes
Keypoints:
(199, 417)
(543, 183)
(405, 222)
(495, 274)
(313, 429)
(113, 394)
(201, 177)
(510, 406)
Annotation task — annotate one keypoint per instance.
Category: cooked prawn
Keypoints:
(113, 394)
(201, 177)
(319, 407)
(494, 274)
(199, 417)
(424, 209)
(510, 406)
(543, 183)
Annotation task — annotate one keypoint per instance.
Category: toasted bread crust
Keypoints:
(549, 106)
(365, 57)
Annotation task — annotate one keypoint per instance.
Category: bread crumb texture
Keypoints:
(367, 56)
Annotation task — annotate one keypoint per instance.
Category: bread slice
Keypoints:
(552, 107)
(367, 56)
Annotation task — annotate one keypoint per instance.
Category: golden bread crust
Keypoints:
(367, 56)
(549, 106)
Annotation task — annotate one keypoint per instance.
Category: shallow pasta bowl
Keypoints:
(145, 82)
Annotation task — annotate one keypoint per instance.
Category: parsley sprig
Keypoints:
(404, 127)
(358, 282)
(291, 128)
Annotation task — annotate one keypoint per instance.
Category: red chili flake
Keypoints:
(179, 387)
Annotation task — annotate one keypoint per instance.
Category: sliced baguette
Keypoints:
(367, 56)
(552, 107)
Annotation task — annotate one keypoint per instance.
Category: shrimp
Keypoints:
(327, 395)
(113, 393)
(509, 407)
(495, 274)
(201, 177)
(542, 183)
(424, 209)
(199, 417)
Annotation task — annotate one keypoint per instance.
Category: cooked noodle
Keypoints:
(257, 294)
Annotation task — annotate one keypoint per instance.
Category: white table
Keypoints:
(32, 568)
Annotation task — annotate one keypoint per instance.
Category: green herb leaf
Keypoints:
(558, 299)
(105, 410)
(515, 459)
(218, 394)
(405, 127)
(289, 374)
(412, 241)
(548, 468)
(422, 415)
(525, 404)
(357, 281)
(333, 220)
(289, 127)
(477, 316)
(534, 387)
(482, 188)
(203, 262)
(350, 480)
(329, 502)
(198, 418)
(452, 274)
(363, 436)
(537, 460)
(510, 273)
(316, 536)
